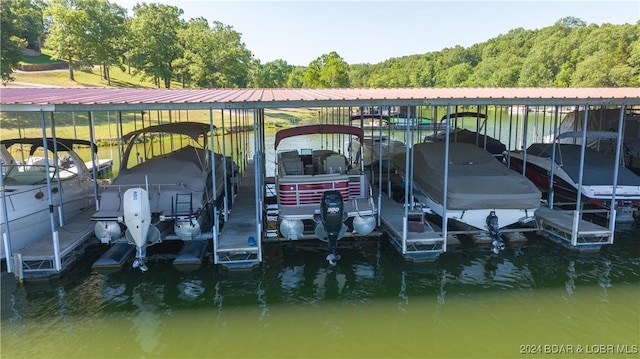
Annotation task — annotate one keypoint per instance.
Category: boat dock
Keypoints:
(239, 247)
(422, 243)
(569, 230)
(39, 260)
(105, 166)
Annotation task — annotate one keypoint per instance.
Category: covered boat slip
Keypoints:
(475, 179)
(233, 244)
(239, 245)
(598, 167)
(41, 260)
(415, 238)
(572, 232)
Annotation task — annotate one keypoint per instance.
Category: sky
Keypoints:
(300, 31)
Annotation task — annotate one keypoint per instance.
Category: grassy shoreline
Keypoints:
(75, 125)
(106, 124)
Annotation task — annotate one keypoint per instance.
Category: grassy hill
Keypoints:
(75, 125)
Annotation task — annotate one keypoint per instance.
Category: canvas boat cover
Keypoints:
(598, 167)
(476, 179)
(462, 135)
(179, 167)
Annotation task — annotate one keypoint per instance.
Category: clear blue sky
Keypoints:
(373, 31)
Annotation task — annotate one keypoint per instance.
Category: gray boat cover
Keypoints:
(179, 167)
(598, 167)
(476, 179)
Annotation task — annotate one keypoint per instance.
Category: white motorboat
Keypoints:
(322, 191)
(165, 193)
(375, 150)
(481, 192)
(563, 170)
(604, 120)
(27, 197)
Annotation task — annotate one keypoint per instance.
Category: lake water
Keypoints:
(538, 299)
(469, 303)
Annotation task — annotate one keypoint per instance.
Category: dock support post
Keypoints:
(18, 266)
(56, 251)
(7, 252)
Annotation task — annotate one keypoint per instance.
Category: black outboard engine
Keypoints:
(332, 216)
(494, 232)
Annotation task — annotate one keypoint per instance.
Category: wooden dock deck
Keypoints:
(558, 226)
(38, 260)
(239, 244)
(423, 243)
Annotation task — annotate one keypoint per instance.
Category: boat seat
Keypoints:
(335, 163)
(292, 166)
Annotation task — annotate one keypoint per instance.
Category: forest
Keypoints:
(156, 43)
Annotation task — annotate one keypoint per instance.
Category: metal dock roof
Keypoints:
(103, 99)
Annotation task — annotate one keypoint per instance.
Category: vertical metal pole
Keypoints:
(577, 213)
(553, 160)
(94, 160)
(614, 205)
(54, 232)
(408, 165)
(525, 129)
(233, 129)
(225, 207)
(445, 188)
(56, 166)
(212, 155)
(6, 233)
(258, 116)
(119, 134)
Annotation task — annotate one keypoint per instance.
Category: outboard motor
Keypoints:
(332, 216)
(494, 232)
(137, 218)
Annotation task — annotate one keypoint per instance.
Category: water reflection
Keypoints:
(148, 299)
(295, 288)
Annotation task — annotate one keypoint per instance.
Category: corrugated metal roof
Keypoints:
(74, 99)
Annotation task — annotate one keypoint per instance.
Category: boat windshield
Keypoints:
(32, 170)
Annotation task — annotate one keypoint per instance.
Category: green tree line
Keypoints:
(156, 43)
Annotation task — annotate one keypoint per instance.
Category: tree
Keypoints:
(11, 44)
(296, 77)
(327, 71)
(154, 40)
(105, 36)
(272, 74)
(68, 27)
(28, 15)
(213, 57)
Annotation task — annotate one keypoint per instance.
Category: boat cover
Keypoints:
(598, 167)
(476, 179)
(462, 135)
(178, 167)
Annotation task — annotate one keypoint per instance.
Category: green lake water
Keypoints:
(535, 300)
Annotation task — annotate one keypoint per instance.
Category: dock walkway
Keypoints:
(38, 260)
(422, 244)
(239, 243)
(558, 226)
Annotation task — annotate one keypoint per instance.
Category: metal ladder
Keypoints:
(177, 208)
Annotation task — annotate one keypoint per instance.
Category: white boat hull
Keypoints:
(477, 218)
(29, 218)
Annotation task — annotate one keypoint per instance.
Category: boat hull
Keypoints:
(596, 193)
(29, 217)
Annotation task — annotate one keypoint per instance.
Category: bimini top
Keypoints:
(317, 129)
(191, 129)
(464, 114)
(66, 143)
